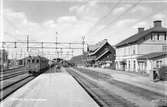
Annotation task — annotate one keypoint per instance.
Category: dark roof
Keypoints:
(140, 35)
(97, 45)
(152, 55)
(102, 54)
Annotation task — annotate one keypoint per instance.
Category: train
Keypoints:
(35, 65)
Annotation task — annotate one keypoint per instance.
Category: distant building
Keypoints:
(3, 59)
(144, 50)
(79, 60)
(101, 54)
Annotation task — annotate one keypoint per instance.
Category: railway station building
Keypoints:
(143, 51)
(102, 54)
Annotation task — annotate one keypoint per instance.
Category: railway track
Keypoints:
(139, 91)
(11, 81)
(9, 89)
(103, 97)
(7, 83)
(9, 75)
(12, 70)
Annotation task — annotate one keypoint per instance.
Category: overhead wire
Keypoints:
(125, 12)
(102, 18)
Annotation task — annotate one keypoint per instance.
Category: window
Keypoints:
(165, 37)
(164, 48)
(134, 64)
(37, 61)
(151, 36)
(28, 60)
(134, 51)
(33, 61)
(158, 64)
(157, 36)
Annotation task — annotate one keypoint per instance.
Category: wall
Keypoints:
(151, 43)
(148, 44)
(127, 50)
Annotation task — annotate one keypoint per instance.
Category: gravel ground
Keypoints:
(135, 92)
(136, 80)
(102, 95)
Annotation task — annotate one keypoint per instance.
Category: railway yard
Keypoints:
(83, 53)
(79, 87)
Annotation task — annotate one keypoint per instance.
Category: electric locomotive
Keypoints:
(35, 64)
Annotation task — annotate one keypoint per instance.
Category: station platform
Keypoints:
(51, 89)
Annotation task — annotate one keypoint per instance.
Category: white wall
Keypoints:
(146, 48)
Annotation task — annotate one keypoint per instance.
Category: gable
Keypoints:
(102, 48)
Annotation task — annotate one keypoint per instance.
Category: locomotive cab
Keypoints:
(33, 65)
(36, 64)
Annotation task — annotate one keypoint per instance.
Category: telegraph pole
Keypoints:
(83, 44)
(56, 45)
(42, 47)
(61, 52)
(28, 44)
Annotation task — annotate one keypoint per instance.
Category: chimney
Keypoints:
(140, 29)
(157, 23)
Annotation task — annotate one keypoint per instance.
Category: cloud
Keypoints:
(92, 10)
(70, 28)
(159, 16)
(141, 9)
(125, 22)
(120, 9)
(49, 24)
(67, 19)
(141, 24)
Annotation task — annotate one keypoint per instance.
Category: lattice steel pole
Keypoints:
(28, 44)
(83, 44)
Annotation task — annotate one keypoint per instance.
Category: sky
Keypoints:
(114, 20)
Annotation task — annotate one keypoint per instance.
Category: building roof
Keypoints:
(97, 45)
(152, 55)
(140, 35)
(102, 54)
(94, 48)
